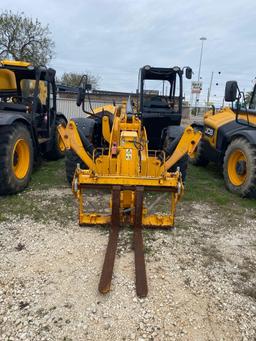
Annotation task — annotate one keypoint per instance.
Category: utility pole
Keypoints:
(201, 57)
(203, 39)
(209, 89)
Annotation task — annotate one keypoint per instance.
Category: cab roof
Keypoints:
(24, 69)
(159, 73)
(14, 63)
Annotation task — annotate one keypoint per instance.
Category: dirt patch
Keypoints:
(201, 279)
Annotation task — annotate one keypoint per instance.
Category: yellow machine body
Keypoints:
(127, 163)
(220, 119)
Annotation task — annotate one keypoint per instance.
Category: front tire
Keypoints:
(239, 168)
(71, 161)
(198, 158)
(172, 138)
(86, 126)
(16, 158)
(183, 165)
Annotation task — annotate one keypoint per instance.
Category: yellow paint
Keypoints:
(128, 163)
(106, 128)
(71, 139)
(220, 118)
(235, 178)
(15, 63)
(187, 144)
(20, 159)
(60, 142)
(7, 80)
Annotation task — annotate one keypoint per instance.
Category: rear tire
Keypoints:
(198, 158)
(72, 159)
(16, 158)
(239, 168)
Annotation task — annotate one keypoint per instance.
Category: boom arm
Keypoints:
(186, 145)
(71, 139)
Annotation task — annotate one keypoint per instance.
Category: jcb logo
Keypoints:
(209, 131)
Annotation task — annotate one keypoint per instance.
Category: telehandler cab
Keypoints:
(111, 150)
(229, 140)
(28, 122)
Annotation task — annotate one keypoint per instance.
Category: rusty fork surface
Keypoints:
(108, 265)
(140, 267)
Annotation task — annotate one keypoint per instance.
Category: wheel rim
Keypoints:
(61, 143)
(20, 159)
(237, 171)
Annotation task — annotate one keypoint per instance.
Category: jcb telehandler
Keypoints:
(229, 140)
(130, 153)
(28, 122)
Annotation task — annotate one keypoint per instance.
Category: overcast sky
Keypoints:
(113, 39)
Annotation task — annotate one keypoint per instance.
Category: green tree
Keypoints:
(24, 38)
(74, 78)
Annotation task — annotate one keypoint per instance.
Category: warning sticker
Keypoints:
(128, 154)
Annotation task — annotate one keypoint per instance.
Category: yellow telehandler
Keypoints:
(111, 150)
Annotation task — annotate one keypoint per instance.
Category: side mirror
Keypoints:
(188, 73)
(80, 96)
(231, 91)
(83, 87)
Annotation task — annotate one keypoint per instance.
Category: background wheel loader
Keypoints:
(229, 140)
(129, 153)
(28, 122)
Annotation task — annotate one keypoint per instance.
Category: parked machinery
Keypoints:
(229, 140)
(28, 122)
(111, 150)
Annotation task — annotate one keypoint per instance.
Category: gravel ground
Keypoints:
(201, 278)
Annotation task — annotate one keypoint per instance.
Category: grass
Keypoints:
(35, 202)
(48, 175)
(204, 185)
(207, 185)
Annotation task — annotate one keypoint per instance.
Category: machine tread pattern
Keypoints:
(200, 158)
(71, 161)
(248, 188)
(171, 141)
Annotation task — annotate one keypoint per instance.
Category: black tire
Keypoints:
(172, 138)
(199, 156)
(16, 158)
(85, 128)
(58, 148)
(240, 171)
(183, 165)
(71, 162)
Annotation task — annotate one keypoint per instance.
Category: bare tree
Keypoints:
(22, 38)
(248, 97)
(73, 79)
